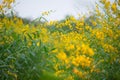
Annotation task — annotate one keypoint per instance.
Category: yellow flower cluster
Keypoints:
(82, 60)
(5, 4)
(75, 45)
(79, 73)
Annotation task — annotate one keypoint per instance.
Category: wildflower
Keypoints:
(1, 7)
(109, 48)
(77, 72)
(62, 56)
(94, 23)
(70, 78)
(114, 7)
(55, 51)
(29, 43)
(87, 27)
(70, 47)
(103, 1)
(75, 63)
(38, 43)
(91, 52)
(107, 4)
(100, 35)
(59, 72)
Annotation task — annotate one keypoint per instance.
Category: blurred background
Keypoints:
(32, 9)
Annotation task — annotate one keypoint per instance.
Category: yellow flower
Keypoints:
(94, 23)
(100, 35)
(77, 72)
(70, 47)
(84, 48)
(87, 27)
(103, 1)
(109, 48)
(56, 66)
(38, 43)
(70, 78)
(55, 51)
(107, 4)
(82, 60)
(62, 56)
(25, 29)
(59, 72)
(75, 63)
(91, 52)
(1, 7)
(114, 7)
(29, 43)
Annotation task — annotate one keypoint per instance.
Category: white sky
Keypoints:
(34, 8)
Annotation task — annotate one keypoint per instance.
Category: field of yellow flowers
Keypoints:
(71, 49)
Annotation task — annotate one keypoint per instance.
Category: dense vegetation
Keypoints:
(71, 49)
